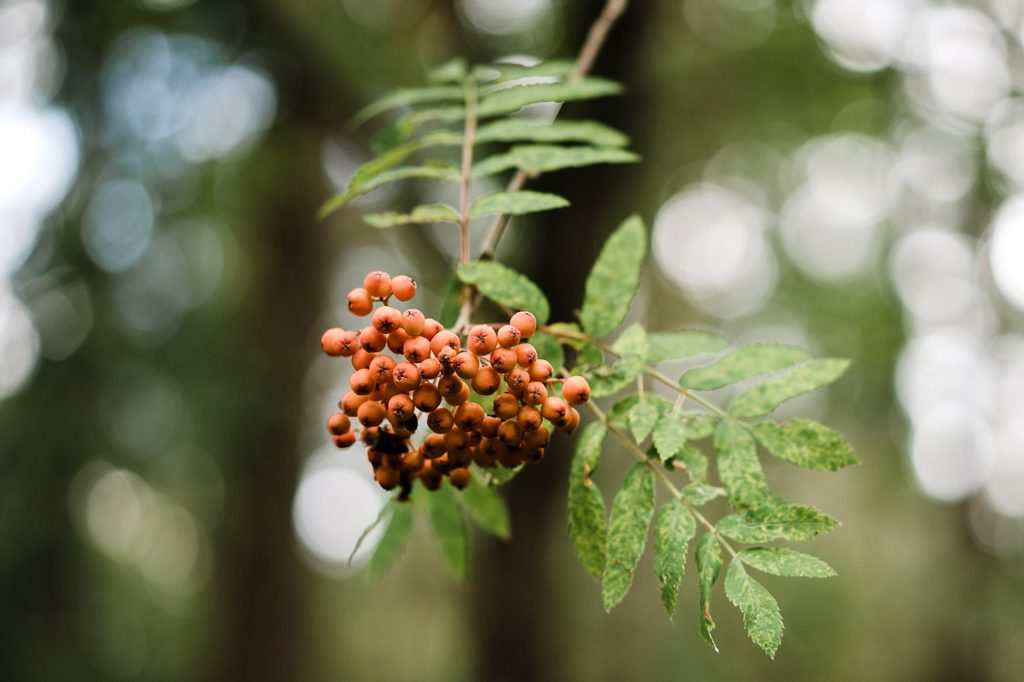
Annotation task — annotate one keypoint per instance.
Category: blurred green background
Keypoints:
(842, 174)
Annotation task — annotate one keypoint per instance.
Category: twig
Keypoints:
(376, 522)
(467, 168)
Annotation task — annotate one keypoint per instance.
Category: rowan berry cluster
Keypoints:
(433, 373)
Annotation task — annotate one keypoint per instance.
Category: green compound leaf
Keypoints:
(519, 130)
(515, 203)
(587, 526)
(452, 71)
(486, 507)
(619, 414)
(434, 171)
(613, 280)
(698, 494)
(785, 562)
(550, 348)
(699, 424)
(739, 468)
(408, 97)
(765, 397)
(627, 532)
(502, 475)
(793, 522)
(428, 213)
(498, 73)
(709, 564)
(514, 98)
(761, 616)
(696, 462)
(674, 527)
(631, 346)
(393, 541)
(644, 415)
(504, 285)
(670, 434)
(683, 344)
(545, 158)
(740, 364)
(806, 443)
(450, 531)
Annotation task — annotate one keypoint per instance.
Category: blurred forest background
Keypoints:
(843, 174)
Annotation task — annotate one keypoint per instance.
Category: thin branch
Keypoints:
(376, 522)
(467, 167)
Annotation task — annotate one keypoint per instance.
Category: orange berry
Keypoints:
(386, 319)
(331, 342)
(431, 327)
(529, 418)
(516, 381)
(466, 365)
(571, 421)
(362, 358)
(403, 287)
(371, 413)
(378, 283)
(486, 381)
(413, 322)
(450, 385)
(459, 398)
(489, 427)
(536, 393)
(416, 349)
(426, 397)
(430, 368)
(445, 339)
(506, 406)
(361, 382)
(396, 340)
(482, 339)
(456, 439)
(372, 340)
(576, 390)
(509, 336)
(360, 302)
(345, 440)
(460, 477)
(469, 416)
(503, 360)
(526, 354)
(510, 433)
(433, 445)
(541, 370)
(525, 322)
(440, 420)
(400, 406)
(537, 438)
(406, 376)
(350, 403)
(338, 423)
(387, 477)
(555, 410)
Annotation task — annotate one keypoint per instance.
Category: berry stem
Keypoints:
(661, 476)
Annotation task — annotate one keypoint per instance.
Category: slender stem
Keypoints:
(661, 475)
(467, 167)
(596, 37)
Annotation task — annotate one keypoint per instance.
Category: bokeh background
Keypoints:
(847, 175)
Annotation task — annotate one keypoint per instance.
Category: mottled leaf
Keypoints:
(644, 415)
(587, 525)
(674, 527)
(392, 541)
(740, 364)
(698, 494)
(545, 158)
(510, 99)
(683, 344)
(793, 522)
(437, 171)
(619, 414)
(450, 530)
(486, 507)
(699, 424)
(761, 616)
(696, 462)
(670, 434)
(428, 213)
(504, 285)
(738, 466)
(515, 203)
(767, 396)
(806, 443)
(785, 562)
(452, 71)
(523, 130)
(614, 278)
(627, 532)
(709, 564)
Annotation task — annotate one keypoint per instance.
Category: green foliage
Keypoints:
(740, 364)
(709, 564)
(683, 344)
(645, 414)
(785, 562)
(449, 527)
(696, 462)
(670, 434)
(543, 158)
(549, 348)
(792, 522)
(765, 397)
(674, 527)
(614, 278)
(504, 285)
(761, 616)
(739, 467)
(806, 443)
(408, 97)
(627, 532)
(392, 541)
(698, 494)
(511, 99)
(515, 203)
(520, 130)
(486, 507)
(587, 527)
(429, 213)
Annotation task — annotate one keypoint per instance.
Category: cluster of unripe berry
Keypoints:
(432, 373)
